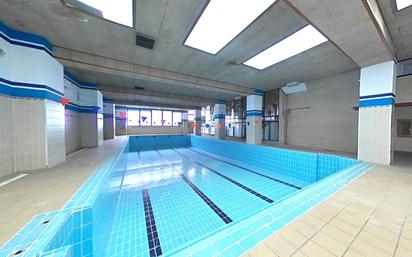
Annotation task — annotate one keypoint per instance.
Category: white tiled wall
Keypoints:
(6, 136)
(375, 134)
(55, 133)
(29, 134)
(72, 131)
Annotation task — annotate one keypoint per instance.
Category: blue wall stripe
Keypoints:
(23, 84)
(220, 116)
(25, 39)
(377, 102)
(378, 95)
(83, 109)
(258, 92)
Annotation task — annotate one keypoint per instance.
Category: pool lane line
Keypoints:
(206, 199)
(209, 202)
(267, 199)
(151, 229)
(249, 170)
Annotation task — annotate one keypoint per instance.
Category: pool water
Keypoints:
(171, 195)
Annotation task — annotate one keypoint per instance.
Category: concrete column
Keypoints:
(108, 120)
(219, 115)
(197, 130)
(254, 132)
(185, 121)
(376, 108)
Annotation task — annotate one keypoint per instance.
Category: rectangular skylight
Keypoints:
(222, 20)
(300, 41)
(402, 4)
(119, 11)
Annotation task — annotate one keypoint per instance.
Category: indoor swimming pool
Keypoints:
(185, 196)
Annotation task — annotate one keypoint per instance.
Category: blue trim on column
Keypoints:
(20, 89)
(220, 116)
(378, 95)
(25, 39)
(221, 102)
(83, 109)
(198, 108)
(255, 113)
(107, 100)
(81, 84)
(258, 92)
(107, 115)
(377, 102)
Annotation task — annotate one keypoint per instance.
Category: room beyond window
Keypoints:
(119, 11)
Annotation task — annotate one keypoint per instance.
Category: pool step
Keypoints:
(65, 251)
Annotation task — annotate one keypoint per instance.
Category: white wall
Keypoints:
(329, 122)
(156, 130)
(72, 131)
(7, 156)
(55, 127)
(403, 95)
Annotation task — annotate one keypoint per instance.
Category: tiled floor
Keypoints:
(371, 217)
(49, 189)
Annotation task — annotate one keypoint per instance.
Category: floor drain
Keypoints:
(18, 252)
(45, 222)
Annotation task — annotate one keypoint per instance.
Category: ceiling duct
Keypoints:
(294, 87)
(144, 41)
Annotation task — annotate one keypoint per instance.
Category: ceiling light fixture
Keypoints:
(402, 4)
(302, 40)
(223, 20)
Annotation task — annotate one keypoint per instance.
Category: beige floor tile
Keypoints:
(405, 243)
(280, 246)
(260, 251)
(353, 253)
(313, 221)
(345, 226)
(311, 249)
(330, 244)
(299, 254)
(368, 249)
(381, 232)
(378, 242)
(293, 237)
(402, 252)
(303, 228)
(338, 234)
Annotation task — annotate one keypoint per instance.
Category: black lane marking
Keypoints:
(209, 202)
(206, 199)
(230, 180)
(152, 236)
(252, 171)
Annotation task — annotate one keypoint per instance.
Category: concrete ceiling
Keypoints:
(400, 27)
(105, 53)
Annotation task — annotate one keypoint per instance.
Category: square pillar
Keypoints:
(219, 115)
(376, 112)
(197, 127)
(254, 115)
(108, 120)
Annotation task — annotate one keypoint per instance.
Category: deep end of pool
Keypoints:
(183, 195)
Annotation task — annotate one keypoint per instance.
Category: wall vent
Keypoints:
(294, 87)
(144, 41)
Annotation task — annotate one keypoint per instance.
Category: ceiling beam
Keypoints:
(154, 97)
(96, 63)
(354, 26)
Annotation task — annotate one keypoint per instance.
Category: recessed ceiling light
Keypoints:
(222, 20)
(300, 41)
(402, 4)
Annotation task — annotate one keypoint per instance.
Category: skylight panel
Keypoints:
(300, 41)
(222, 20)
(119, 11)
(402, 4)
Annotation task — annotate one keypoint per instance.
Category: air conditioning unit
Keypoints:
(294, 87)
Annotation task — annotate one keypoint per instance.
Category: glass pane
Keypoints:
(167, 118)
(177, 118)
(156, 117)
(145, 118)
(133, 117)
